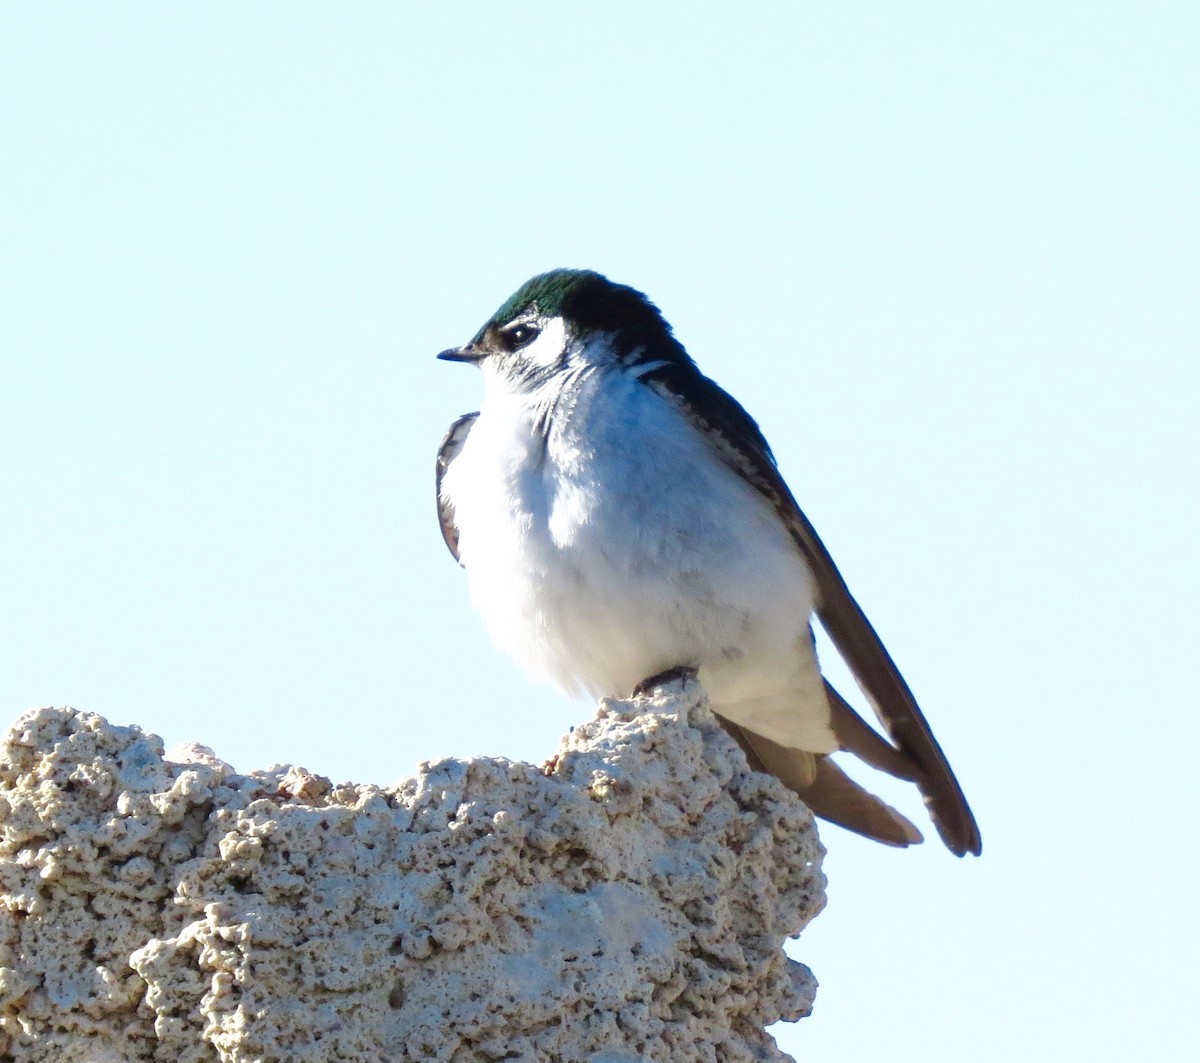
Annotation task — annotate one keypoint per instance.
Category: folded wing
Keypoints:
(913, 751)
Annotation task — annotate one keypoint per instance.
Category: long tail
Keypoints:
(825, 788)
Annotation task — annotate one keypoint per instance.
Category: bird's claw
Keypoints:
(683, 672)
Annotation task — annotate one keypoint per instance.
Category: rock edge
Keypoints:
(626, 902)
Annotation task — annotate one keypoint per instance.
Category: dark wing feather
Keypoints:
(737, 440)
(855, 734)
(452, 443)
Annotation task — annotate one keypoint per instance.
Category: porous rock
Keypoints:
(627, 901)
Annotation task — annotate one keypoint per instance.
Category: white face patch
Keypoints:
(524, 370)
(546, 350)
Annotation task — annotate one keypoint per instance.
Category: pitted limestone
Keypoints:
(628, 903)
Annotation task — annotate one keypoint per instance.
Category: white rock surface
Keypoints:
(627, 902)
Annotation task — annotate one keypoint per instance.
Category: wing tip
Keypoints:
(959, 831)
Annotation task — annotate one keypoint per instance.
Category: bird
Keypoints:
(622, 521)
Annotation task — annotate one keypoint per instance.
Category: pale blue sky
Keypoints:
(945, 253)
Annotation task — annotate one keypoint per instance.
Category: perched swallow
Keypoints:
(621, 518)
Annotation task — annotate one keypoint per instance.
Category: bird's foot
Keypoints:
(684, 672)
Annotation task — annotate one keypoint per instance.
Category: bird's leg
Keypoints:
(646, 687)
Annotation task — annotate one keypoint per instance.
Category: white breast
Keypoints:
(621, 546)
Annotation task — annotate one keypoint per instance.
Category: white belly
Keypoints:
(622, 548)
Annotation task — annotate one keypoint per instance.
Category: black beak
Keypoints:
(469, 353)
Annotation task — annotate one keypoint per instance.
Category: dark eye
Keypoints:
(519, 336)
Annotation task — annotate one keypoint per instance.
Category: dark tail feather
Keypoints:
(825, 788)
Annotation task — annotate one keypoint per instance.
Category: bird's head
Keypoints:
(567, 318)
